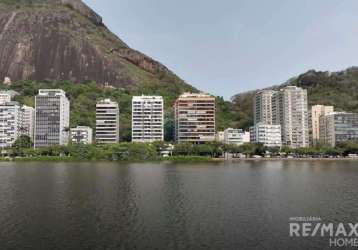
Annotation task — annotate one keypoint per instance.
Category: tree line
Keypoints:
(129, 151)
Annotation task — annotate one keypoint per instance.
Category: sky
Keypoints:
(226, 47)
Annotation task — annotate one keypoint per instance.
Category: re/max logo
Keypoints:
(307, 229)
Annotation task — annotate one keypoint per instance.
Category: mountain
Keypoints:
(66, 40)
(339, 89)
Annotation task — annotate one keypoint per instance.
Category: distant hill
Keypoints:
(339, 89)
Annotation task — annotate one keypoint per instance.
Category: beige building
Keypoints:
(195, 118)
(318, 113)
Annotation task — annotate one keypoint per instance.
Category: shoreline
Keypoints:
(286, 159)
(173, 160)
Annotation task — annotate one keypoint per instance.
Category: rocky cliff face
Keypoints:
(66, 40)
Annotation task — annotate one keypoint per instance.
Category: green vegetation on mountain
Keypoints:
(339, 89)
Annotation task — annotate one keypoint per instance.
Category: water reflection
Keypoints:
(237, 205)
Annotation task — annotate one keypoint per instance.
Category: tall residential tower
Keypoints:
(107, 122)
(27, 121)
(318, 121)
(9, 123)
(52, 118)
(290, 110)
(195, 118)
(147, 119)
(263, 107)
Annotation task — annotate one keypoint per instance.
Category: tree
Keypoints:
(169, 125)
(253, 149)
(203, 150)
(23, 141)
(183, 149)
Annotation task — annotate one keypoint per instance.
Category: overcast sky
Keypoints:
(229, 46)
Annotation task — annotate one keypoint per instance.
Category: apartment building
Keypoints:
(341, 127)
(107, 122)
(27, 121)
(52, 118)
(268, 135)
(81, 135)
(290, 110)
(263, 107)
(9, 123)
(147, 118)
(195, 118)
(236, 136)
(7, 96)
(318, 123)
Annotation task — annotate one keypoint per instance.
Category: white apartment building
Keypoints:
(81, 135)
(236, 136)
(290, 110)
(4, 97)
(341, 127)
(263, 107)
(318, 123)
(195, 118)
(9, 123)
(27, 121)
(7, 95)
(147, 118)
(268, 135)
(52, 118)
(107, 122)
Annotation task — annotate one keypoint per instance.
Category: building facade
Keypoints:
(9, 123)
(341, 127)
(7, 95)
(81, 135)
(107, 122)
(147, 118)
(290, 110)
(27, 121)
(236, 136)
(318, 123)
(268, 135)
(263, 107)
(195, 118)
(52, 118)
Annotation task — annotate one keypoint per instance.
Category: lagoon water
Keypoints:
(240, 205)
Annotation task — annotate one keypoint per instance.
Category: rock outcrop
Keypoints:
(67, 40)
